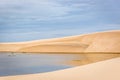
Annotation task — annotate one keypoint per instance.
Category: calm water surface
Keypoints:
(19, 63)
(30, 63)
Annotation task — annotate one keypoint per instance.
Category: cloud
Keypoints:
(38, 9)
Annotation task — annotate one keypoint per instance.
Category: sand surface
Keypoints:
(104, 70)
(108, 41)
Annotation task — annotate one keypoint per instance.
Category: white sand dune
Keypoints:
(108, 41)
(104, 70)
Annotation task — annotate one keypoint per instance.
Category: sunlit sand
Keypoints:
(108, 41)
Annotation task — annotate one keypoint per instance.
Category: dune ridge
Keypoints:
(108, 41)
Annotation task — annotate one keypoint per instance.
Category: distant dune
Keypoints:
(108, 41)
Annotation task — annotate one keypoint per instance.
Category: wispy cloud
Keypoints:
(38, 9)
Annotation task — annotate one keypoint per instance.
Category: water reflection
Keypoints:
(88, 58)
(19, 63)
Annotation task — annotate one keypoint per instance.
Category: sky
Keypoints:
(26, 20)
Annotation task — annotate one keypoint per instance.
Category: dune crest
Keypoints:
(108, 41)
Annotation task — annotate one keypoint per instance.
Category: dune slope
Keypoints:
(108, 41)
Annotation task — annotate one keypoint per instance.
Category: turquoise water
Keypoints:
(19, 63)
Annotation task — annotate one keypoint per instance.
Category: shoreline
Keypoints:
(103, 70)
(64, 52)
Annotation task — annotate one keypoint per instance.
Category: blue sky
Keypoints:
(25, 20)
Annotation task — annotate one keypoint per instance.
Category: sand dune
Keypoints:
(104, 70)
(108, 41)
